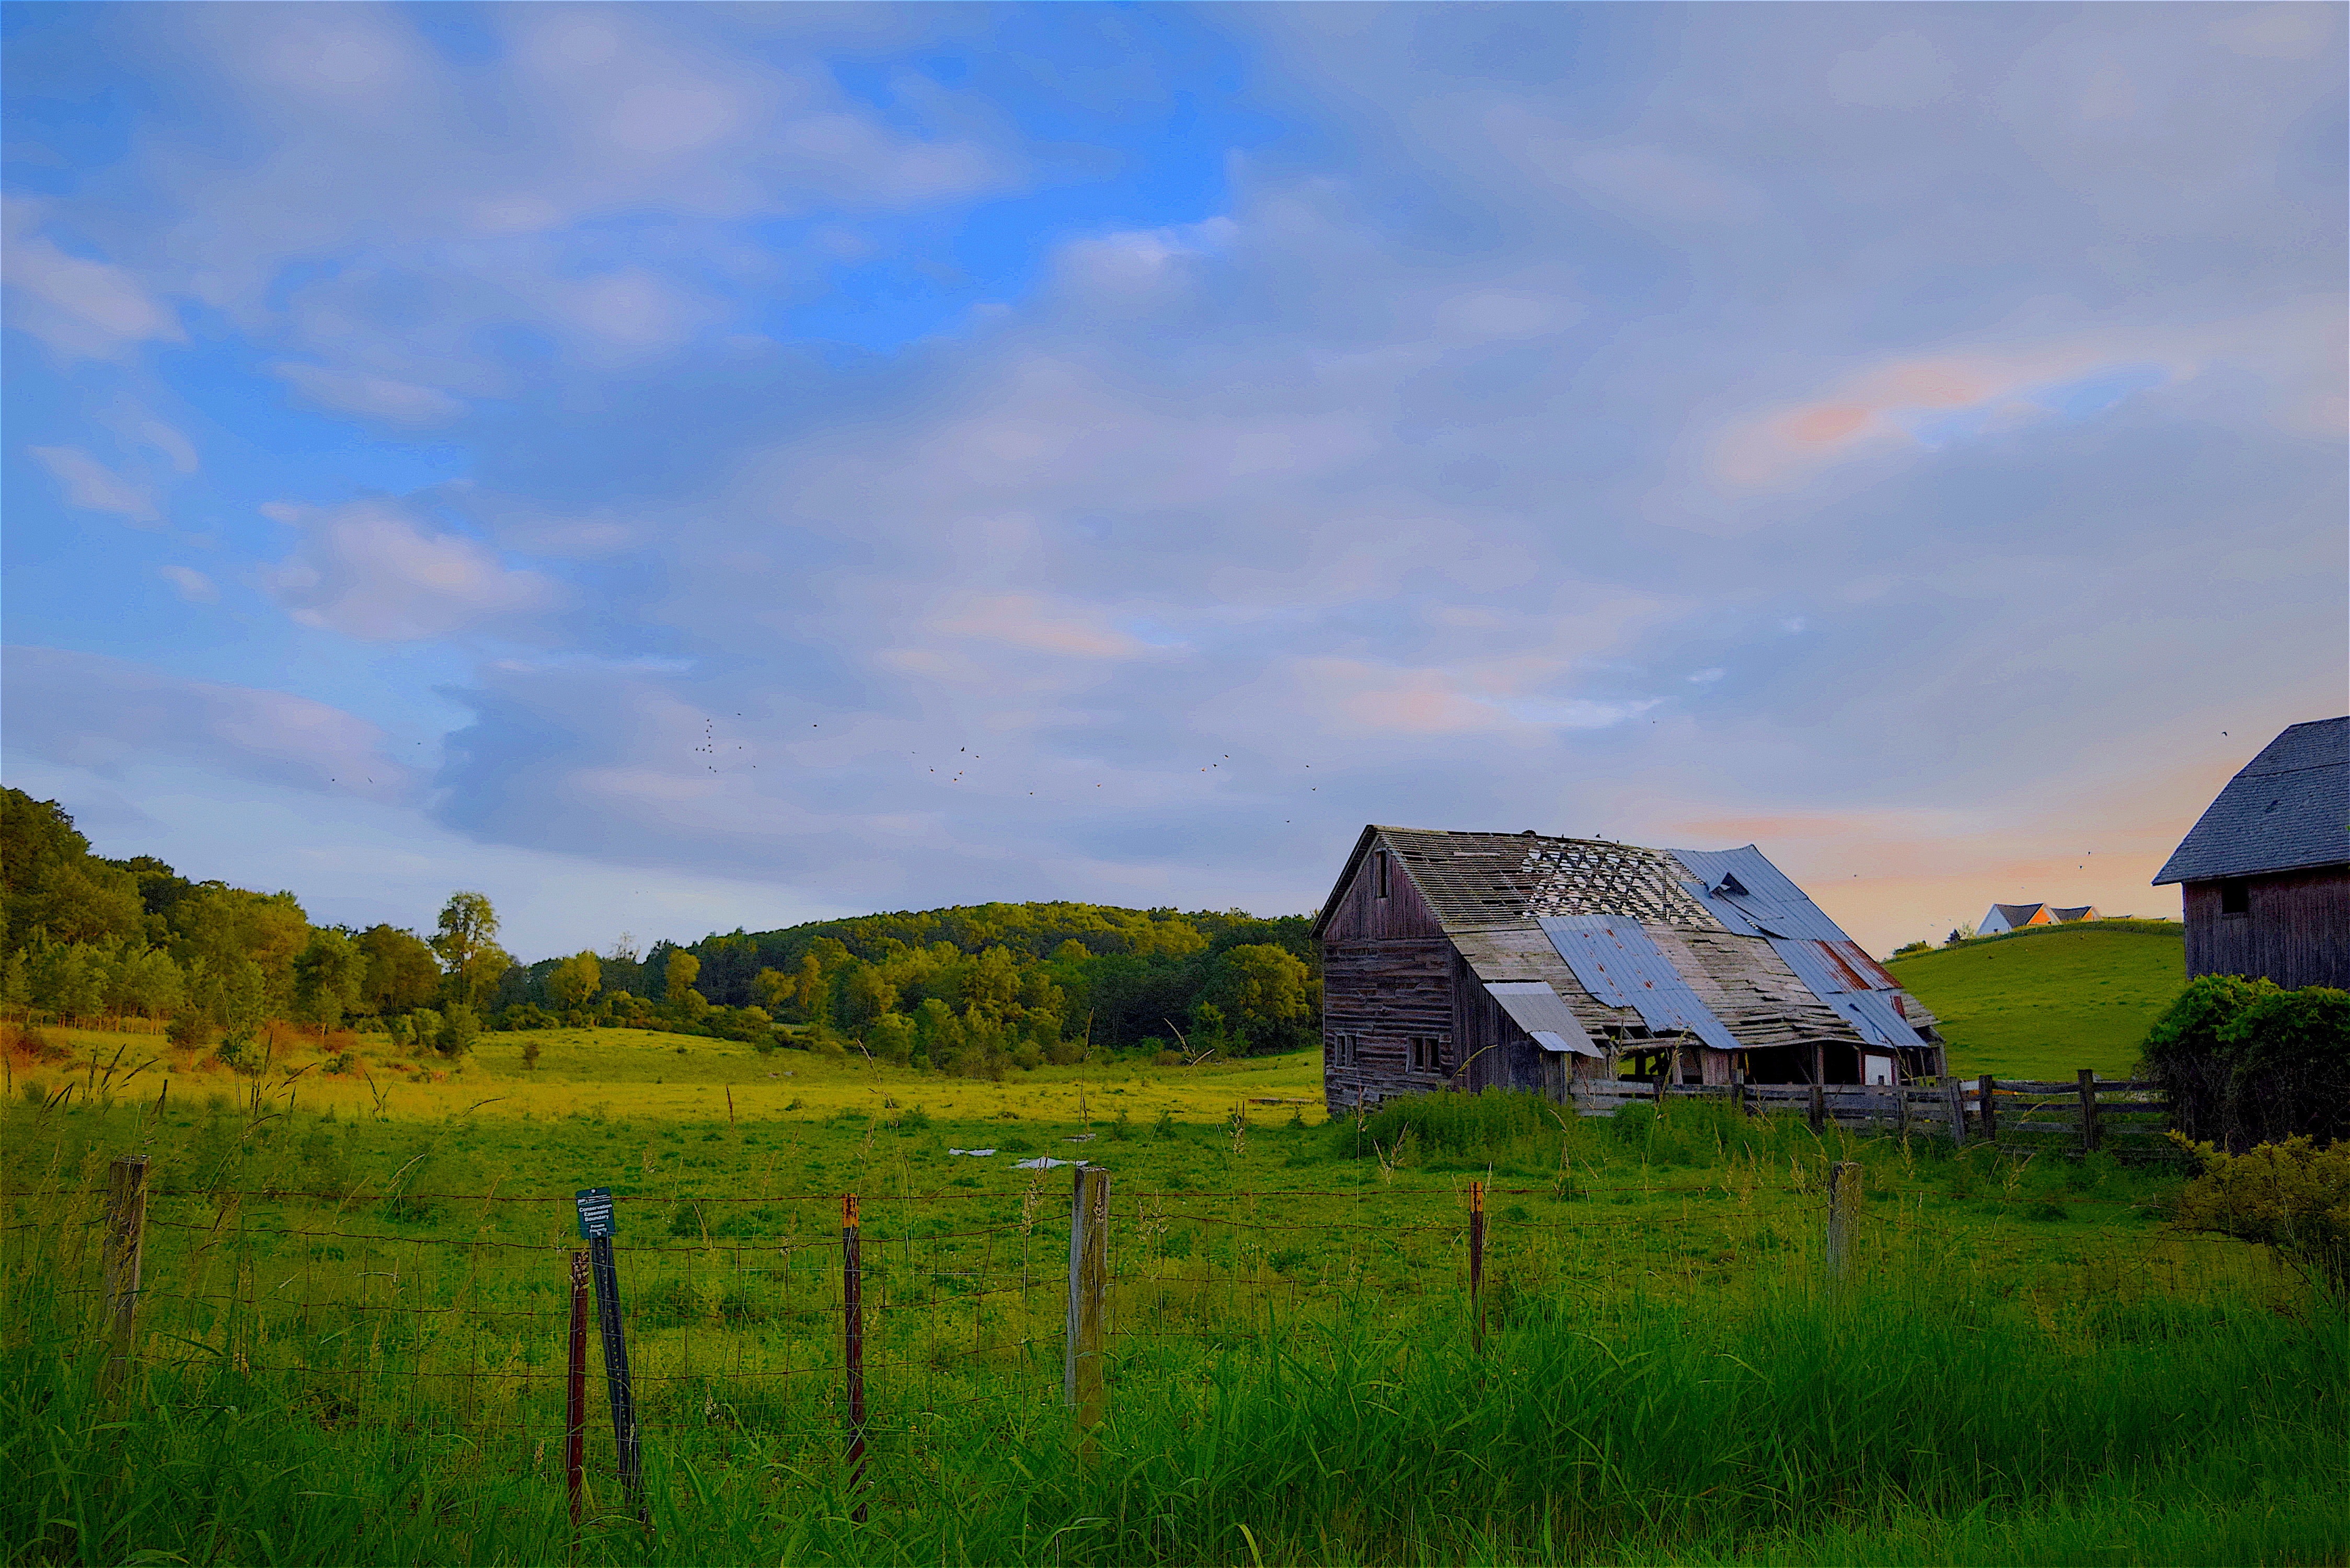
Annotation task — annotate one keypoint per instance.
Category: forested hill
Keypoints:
(976, 989)
(1057, 977)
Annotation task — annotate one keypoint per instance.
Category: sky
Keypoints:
(679, 469)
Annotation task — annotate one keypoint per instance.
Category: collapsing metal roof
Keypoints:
(1636, 943)
(1535, 1008)
(1616, 963)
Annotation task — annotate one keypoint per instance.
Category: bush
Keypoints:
(2246, 1062)
(2292, 1196)
(526, 1016)
(189, 1030)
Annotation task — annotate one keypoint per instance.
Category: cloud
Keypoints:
(372, 570)
(108, 715)
(192, 584)
(94, 487)
(378, 396)
(1900, 70)
(81, 307)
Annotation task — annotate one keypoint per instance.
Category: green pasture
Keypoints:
(356, 1314)
(2044, 1004)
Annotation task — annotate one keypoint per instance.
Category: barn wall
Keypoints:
(1386, 977)
(2297, 931)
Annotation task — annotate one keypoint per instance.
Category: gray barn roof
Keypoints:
(2289, 810)
(1527, 908)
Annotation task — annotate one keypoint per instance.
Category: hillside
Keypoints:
(2043, 1004)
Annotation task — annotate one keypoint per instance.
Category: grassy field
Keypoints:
(352, 1335)
(2044, 1004)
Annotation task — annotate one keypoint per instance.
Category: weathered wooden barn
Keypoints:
(1514, 959)
(2267, 866)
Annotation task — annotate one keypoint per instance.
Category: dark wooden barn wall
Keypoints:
(2297, 931)
(1386, 977)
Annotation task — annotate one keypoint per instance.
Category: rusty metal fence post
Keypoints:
(575, 1414)
(125, 1248)
(1477, 1266)
(852, 1344)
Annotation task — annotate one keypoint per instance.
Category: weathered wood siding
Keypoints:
(1387, 980)
(2296, 931)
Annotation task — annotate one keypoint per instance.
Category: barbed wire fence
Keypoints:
(853, 1324)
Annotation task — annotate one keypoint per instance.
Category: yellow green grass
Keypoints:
(2044, 1004)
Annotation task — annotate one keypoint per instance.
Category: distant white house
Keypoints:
(2015, 917)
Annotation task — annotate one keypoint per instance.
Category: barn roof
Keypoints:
(1719, 944)
(2019, 914)
(2288, 810)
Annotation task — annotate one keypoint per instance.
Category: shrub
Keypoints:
(530, 1054)
(189, 1030)
(2246, 1061)
(2292, 1196)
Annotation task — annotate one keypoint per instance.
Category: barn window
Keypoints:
(1382, 858)
(1349, 1051)
(2235, 897)
(1428, 1053)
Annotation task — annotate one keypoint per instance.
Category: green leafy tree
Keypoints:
(222, 925)
(148, 982)
(678, 977)
(50, 883)
(461, 1026)
(402, 971)
(466, 941)
(572, 982)
(69, 980)
(329, 973)
(1263, 990)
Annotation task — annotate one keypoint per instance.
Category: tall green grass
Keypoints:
(1924, 1414)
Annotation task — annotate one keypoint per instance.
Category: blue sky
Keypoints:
(676, 468)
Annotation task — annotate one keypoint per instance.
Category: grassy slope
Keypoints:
(2043, 1004)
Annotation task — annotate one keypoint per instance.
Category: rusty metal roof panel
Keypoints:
(1618, 963)
(1873, 1013)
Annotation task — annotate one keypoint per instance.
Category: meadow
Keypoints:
(2044, 1003)
(352, 1339)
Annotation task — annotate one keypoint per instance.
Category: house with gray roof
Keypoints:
(2006, 918)
(2266, 868)
(1474, 960)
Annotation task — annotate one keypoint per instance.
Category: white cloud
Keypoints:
(370, 570)
(107, 714)
(192, 584)
(378, 396)
(92, 486)
(82, 309)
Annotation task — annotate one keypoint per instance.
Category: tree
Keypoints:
(328, 973)
(50, 882)
(147, 982)
(459, 1029)
(467, 943)
(401, 971)
(681, 969)
(772, 988)
(1263, 990)
(572, 982)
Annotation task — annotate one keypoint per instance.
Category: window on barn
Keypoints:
(2235, 897)
(1349, 1051)
(1382, 858)
(1427, 1054)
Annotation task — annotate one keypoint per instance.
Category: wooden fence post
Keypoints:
(1081, 1369)
(1986, 1087)
(2088, 1081)
(574, 1415)
(1844, 1215)
(596, 1228)
(1900, 1102)
(1738, 1089)
(1819, 1108)
(126, 1244)
(852, 1342)
(1958, 1107)
(1477, 1266)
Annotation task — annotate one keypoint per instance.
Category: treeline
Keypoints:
(972, 988)
(83, 937)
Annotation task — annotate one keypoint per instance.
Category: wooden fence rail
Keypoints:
(2125, 1117)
